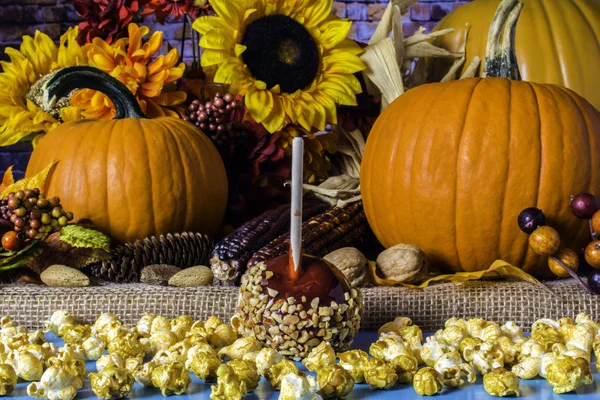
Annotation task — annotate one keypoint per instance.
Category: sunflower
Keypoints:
(131, 62)
(291, 59)
(316, 149)
(21, 114)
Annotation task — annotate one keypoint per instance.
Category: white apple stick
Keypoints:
(296, 210)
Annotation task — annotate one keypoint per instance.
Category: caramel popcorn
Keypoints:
(319, 357)
(509, 349)
(453, 335)
(8, 379)
(162, 340)
(580, 336)
(75, 334)
(201, 347)
(222, 336)
(501, 383)
(229, 386)
(26, 365)
(247, 373)
(114, 330)
(144, 325)
(454, 370)
(545, 334)
(71, 360)
(112, 383)
(57, 320)
(93, 348)
(275, 374)
(387, 328)
(427, 382)
(143, 375)
(488, 357)
(103, 321)
(475, 327)
(212, 323)
(433, 349)
(566, 374)
(512, 331)
(204, 365)
(334, 381)
(379, 374)
(171, 378)
(405, 367)
(160, 324)
(457, 322)
(128, 346)
(132, 364)
(296, 387)
(530, 360)
(237, 349)
(389, 347)
(56, 383)
(167, 356)
(354, 362)
(468, 346)
(113, 359)
(181, 325)
(266, 358)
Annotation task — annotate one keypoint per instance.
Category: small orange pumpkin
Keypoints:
(449, 166)
(132, 176)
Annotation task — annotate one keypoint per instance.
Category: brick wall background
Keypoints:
(54, 17)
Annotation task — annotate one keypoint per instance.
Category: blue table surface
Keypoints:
(530, 389)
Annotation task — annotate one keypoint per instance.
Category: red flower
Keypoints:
(107, 19)
(163, 8)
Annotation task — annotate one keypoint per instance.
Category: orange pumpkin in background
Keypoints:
(449, 166)
(557, 41)
(132, 176)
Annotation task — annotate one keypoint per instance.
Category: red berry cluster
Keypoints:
(214, 117)
(32, 216)
(545, 240)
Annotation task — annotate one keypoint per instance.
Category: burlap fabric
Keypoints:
(499, 301)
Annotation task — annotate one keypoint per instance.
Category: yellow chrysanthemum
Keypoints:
(20, 113)
(291, 59)
(131, 62)
(316, 149)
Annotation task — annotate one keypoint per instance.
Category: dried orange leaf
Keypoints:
(36, 181)
(8, 179)
(498, 269)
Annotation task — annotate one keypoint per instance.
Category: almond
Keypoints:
(194, 276)
(61, 275)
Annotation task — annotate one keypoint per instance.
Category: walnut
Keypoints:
(352, 263)
(402, 263)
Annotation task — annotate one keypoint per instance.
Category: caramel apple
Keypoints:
(293, 316)
(294, 302)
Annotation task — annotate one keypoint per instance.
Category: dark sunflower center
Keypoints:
(281, 51)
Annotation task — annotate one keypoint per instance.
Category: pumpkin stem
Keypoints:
(500, 58)
(81, 77)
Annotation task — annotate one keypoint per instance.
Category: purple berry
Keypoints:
(530, 219)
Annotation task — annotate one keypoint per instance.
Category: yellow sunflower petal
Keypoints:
(276, 118)
(318, 12)
(334, 32)
(206, 23)
(230, 71)
(212, 57)
(344, 63)
(217, 39)
(347, 46)
(259, 103)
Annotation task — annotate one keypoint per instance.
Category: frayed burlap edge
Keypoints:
(499, 301)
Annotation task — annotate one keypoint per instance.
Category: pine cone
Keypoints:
(182, 250)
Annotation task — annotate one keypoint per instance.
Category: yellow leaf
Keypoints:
(8, 179)
(36, 181)
(498, 269)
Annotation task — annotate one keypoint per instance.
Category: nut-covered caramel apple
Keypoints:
(294, 302)
(294, 316)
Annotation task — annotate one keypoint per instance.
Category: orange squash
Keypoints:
(132, 176)
(557, 41)
(449, 166)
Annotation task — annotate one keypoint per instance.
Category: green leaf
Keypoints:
(22, 257)
(7, 254)
(79, 236)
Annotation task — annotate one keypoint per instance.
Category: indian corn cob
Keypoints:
(336, 228)
(231, 255)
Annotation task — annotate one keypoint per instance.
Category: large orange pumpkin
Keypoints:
(557, 41)
(132, 176)
(449, 166)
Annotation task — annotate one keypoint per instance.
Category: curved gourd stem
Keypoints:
(68, 79)
(500, 59)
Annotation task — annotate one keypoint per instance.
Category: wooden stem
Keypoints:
(185, 21)
(573, 275)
